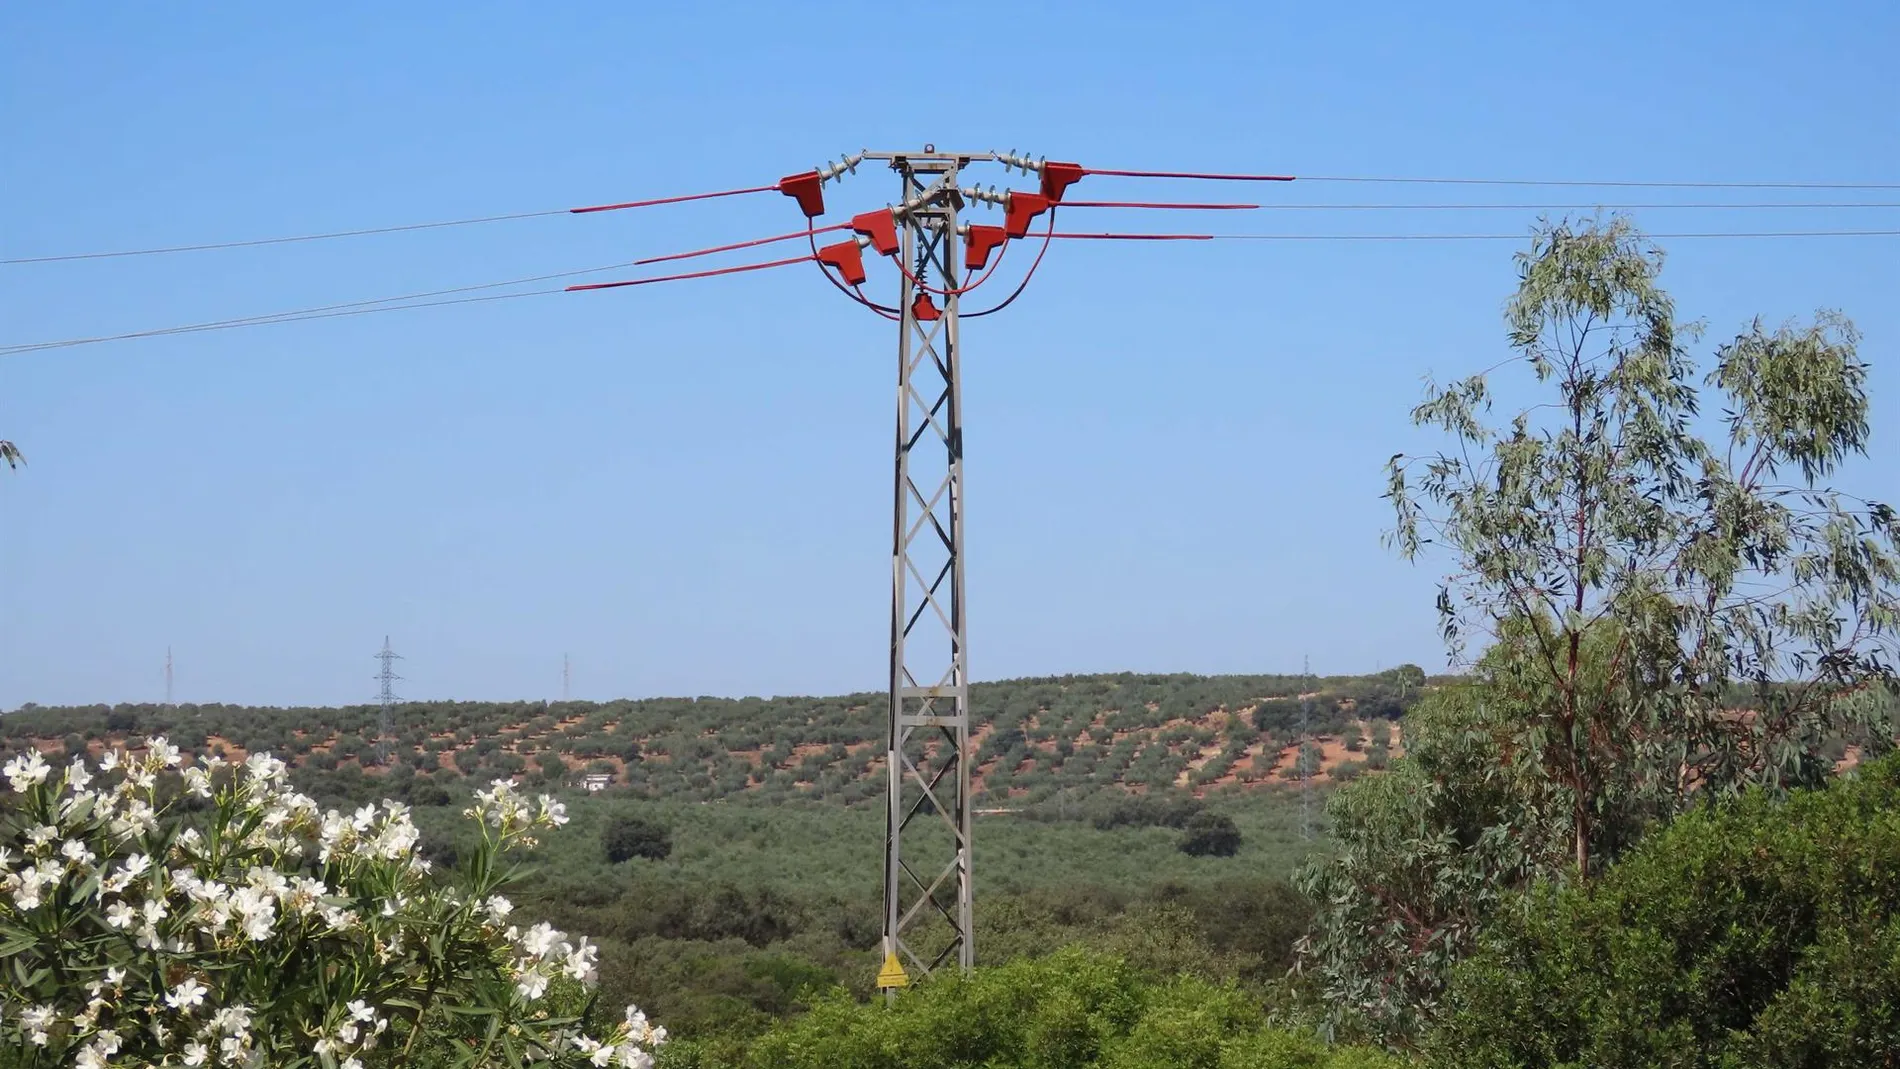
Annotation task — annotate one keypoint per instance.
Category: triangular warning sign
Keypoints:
(892, 974)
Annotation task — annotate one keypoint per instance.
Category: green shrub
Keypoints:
(627, 837)
(1071, 1010)
(1208, 834)
(1752, 934)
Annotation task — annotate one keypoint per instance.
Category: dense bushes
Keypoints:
(1210, 835)
(1757, 934)
(1071, 1010)
(628, 837)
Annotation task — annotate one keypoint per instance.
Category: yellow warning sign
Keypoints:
(892, 974)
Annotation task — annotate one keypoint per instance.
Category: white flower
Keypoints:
(76, 852)
(264, 768)
(36, 1020)
(539, 940)
(198, 782)
(498, 908)
(580, 961)
(531, 986)
(131, 869)
(161, 751)
(361, 1011)
(553, 813)
(119, 915)
(186, 995)
(196, 1053)
(233, 1020)
(26, 771)
(109, 760)
(76, 775)
(351, 1063)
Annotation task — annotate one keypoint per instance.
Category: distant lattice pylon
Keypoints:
(385, 721)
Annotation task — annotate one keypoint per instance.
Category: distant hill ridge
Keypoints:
(1035, 737)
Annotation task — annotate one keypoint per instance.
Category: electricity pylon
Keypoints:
(927, 858)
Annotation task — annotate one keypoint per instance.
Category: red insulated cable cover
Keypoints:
(1157, 204)
(1197, 174)
(690, 274)
(738, 245)
(670, 200)
(1133, 237)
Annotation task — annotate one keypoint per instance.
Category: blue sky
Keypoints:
(1173, 452)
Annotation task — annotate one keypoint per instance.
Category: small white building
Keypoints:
(597, 781)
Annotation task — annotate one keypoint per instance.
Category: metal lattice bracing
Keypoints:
(927, 876)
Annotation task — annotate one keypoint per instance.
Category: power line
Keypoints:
(1753, 206)
(259, 321)
(1521, 236)
(254, 242)
(330, 311)
(412, 300)
(1598, 184)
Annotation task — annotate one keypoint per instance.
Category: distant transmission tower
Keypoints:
(1300, 760)
(385, 722)
(168, 675)
(567, 677)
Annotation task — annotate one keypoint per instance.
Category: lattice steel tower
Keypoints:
(927, 877)
(385, 720)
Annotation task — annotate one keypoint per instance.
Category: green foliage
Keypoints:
(627, 837)
(1697, 569)
(1071, 1010)
(1423, 857)
(1636, 584)
(151, 914)
(1209, 834)
(1754, 933)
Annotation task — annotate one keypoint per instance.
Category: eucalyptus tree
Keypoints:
(1667, 607)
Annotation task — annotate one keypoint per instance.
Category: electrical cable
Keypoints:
(1569, 207)
(259, 321)
(279, 241)
(476, 220)
(740, 245)
(671, 200)
(314, 313)
(1611, 185)
(1521, 236)
(1206, 176)
(735, 270)
(1159, 205)
(416, 300)
(1031, 273)
(368, 231)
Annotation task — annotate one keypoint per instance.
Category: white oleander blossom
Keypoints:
(182, 926)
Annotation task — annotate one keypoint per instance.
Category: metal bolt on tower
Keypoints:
(927, 878)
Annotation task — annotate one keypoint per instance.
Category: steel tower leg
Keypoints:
(927, 877)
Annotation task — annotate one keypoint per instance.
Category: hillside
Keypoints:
(1037, 739)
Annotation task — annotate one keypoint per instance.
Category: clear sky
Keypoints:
(1173, 452)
